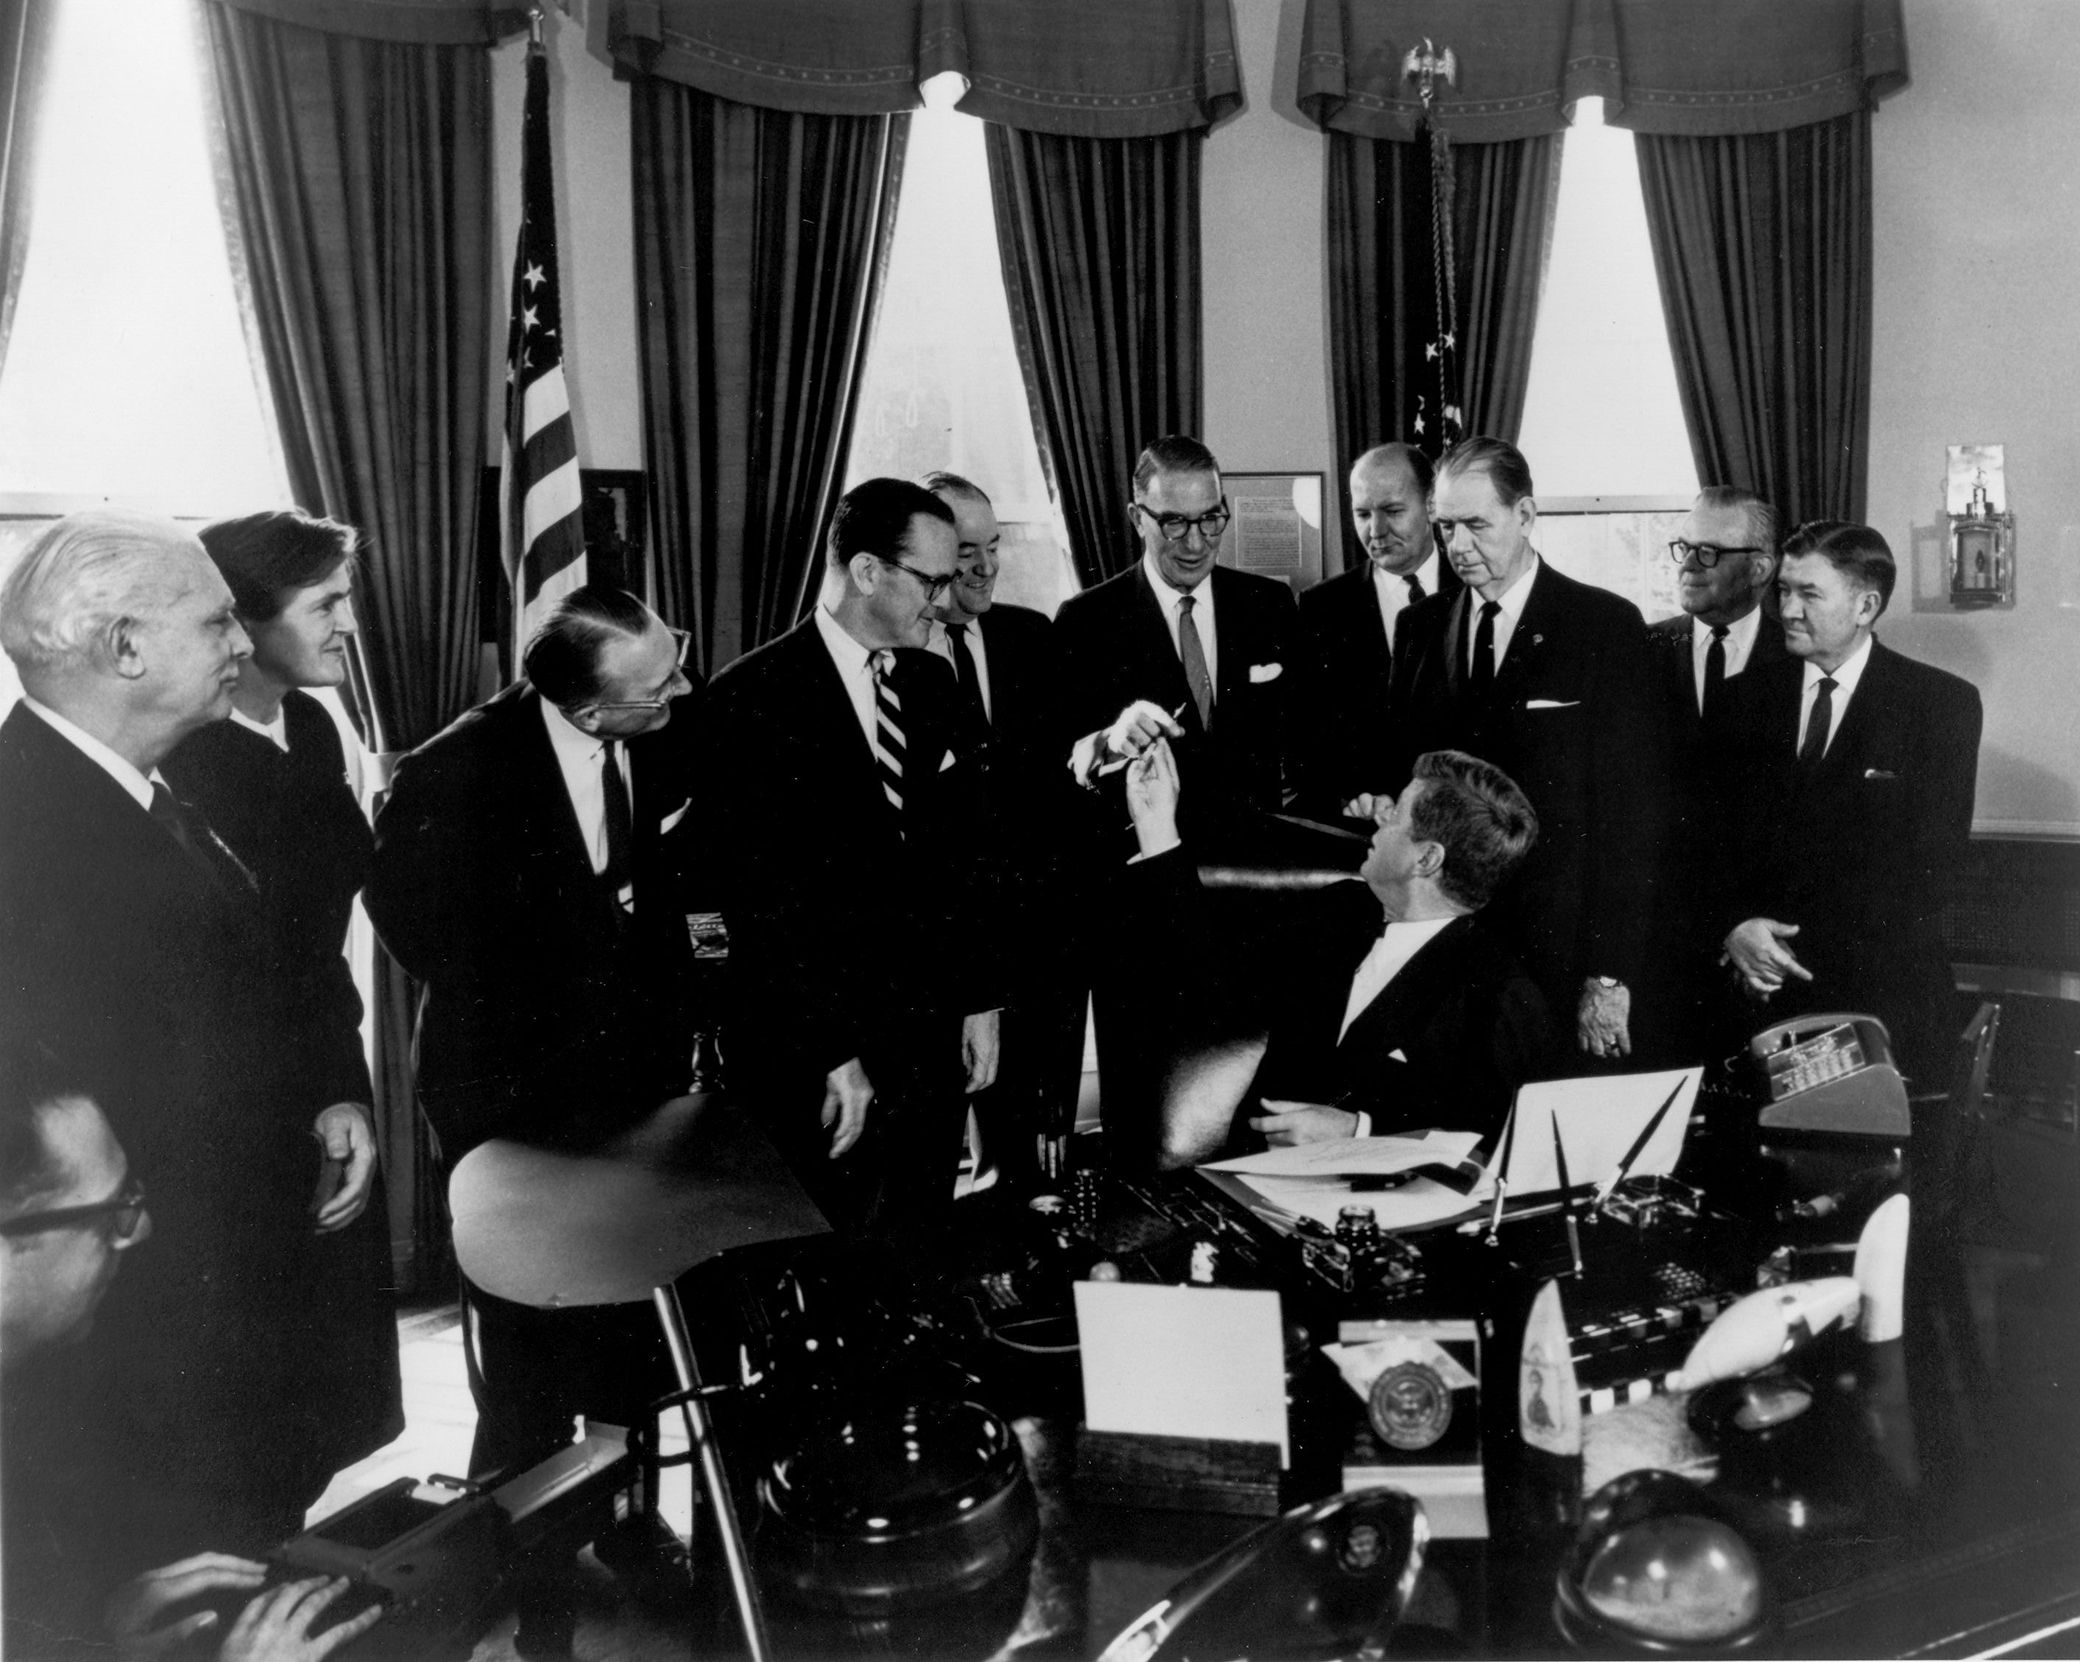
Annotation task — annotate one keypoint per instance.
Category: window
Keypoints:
(1603, 425)
(128, 376)
(942, 387)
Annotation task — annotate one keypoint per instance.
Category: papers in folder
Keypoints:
(1312, 1180)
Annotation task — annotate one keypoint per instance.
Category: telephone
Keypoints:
(1831, 1073)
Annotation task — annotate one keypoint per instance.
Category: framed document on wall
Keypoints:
(1276, 528)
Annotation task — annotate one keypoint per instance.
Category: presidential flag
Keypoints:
(542, 535)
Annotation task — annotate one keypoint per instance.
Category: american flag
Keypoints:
(542, 536)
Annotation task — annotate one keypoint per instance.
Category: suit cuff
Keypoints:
(1163, 847)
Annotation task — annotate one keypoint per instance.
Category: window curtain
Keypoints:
(358, 195)
(1762, 245)
(1099, 240)
(26, 31)
(1751, 119)
(749, 225)
(760, 237)
(1383, 301)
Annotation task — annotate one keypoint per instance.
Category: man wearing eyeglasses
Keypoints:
(1547, 678)
(850, 819)
(1725, 559)
(531, 871)
(1178, 645)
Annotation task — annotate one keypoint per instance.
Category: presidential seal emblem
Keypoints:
(1410, 1405)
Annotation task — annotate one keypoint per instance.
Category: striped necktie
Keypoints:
(888, 729)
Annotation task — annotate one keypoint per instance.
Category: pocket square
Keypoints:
(1552, 703)
(674, 817)
(1397, 1056)
(1265, 672)
(946, 761)
(1879, 773)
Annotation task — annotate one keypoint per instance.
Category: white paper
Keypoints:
(1345, 1156)
(1183, 1361)
(1599, 1120)
(1413, 1204)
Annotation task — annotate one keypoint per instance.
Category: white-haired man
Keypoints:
(125, 928)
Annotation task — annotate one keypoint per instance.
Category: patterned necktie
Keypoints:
(1814, 748)
(1480, 673)
(1714, 670)
(888, 729)
(204, 848)
(620, 825)
(1415, 588)
(1193, 652)
(964, 667)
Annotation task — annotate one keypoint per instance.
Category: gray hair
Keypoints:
(87, 572)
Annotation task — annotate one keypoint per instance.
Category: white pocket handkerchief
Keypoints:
(1265, 672)
(1552, 703)
(674, 817)
(946, 761)
(1397, 1056)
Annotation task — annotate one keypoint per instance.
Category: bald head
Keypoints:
(1390, 493)
(121, 624)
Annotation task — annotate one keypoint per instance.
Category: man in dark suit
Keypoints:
(1548, 679)
(1004, 659)
(1726, 561)
(1396, 1008)
(128, 935)
(1180, 646)
(1348, 624)
(530, 870)
(848, 813)
(1855, 809)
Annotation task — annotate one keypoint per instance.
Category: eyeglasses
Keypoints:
(685, 641)
(1176, 527)
(1706, 554)
(933, 586)
(126, 1211)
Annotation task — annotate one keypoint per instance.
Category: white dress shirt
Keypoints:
(1739, 644)
(136, 785)
(276, 731)
(1845, 680)
(855, 668)
(1389, 956)
(1202, 617)
(1512, 603)
(582, 758)
(1392, 591)
(942, 643)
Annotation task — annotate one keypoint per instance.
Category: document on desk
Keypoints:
(1313, 1180)
(1600, 1120)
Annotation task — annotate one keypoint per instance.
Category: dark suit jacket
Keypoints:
(144, 975)
(1572, 720)
(1344, 734)
(1861, 854)
(846, 920)
(1115, 648)
(1445, 1043)
(541, 1002)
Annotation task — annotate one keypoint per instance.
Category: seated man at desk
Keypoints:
(1427, 1021)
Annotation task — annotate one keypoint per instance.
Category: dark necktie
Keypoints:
(620, 823)
(1714, 670)
(1814, 748)
(203, 847)
(1193, 652)
(1480, 672)
(964, 667)
(889, 743)
(1415, 588)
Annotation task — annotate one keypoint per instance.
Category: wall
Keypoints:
(1977, 221)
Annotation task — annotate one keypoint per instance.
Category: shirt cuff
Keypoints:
(1175, 841)
(1364, 1126)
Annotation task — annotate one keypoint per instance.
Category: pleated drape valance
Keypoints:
(406, 22)
(1661, 66)
(1085, 68)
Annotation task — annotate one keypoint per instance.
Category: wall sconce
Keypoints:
(1982, 531)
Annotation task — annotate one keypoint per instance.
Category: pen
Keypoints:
(1639, 1144)
(1574, 1237)
(1118, 762)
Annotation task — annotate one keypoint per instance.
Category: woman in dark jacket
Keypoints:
(274, 783)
